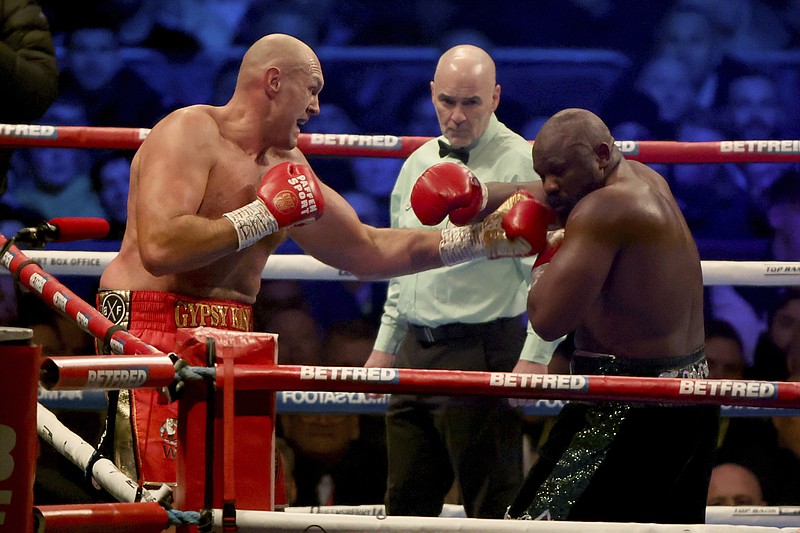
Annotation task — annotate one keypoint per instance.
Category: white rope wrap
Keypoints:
(252, 222)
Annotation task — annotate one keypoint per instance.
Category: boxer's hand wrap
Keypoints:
(517, 229)
(554, 240)
(448, 189)
(252, 222)
(289, 195)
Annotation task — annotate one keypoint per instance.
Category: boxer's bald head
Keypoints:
(575, 134)
(465, 93)
(280, 51)
(278, 88)
(574, 127)
(574, 153)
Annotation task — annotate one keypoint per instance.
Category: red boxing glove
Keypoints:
(529, 219)
(448, 189)
(554, 241)
(289, 195)
(518, 228)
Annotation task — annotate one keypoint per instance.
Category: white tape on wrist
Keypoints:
(537, 272)
(252, 222)
(460, 244)
(484, 196)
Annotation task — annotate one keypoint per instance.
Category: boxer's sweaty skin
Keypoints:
(627, 278)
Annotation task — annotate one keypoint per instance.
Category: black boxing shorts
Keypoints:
(693, 365)
(141, 426)
(625, 462)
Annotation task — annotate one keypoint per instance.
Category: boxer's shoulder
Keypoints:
(196, 121)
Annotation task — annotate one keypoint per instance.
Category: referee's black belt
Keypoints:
(459, 330)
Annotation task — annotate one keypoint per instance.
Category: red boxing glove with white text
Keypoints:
(448, 189)
(289, 195)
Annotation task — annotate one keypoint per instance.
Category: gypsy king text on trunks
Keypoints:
(195, 314)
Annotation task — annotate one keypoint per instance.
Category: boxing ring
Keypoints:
(207, 502)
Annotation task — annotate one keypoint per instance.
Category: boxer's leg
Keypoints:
(658, 449)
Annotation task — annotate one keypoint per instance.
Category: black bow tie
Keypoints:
(459, 153)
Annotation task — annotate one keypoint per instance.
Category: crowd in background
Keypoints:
(683, 70)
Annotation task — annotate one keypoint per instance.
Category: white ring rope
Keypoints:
(277, 522)
(305, 267)
(771, 516)
(449, 510)
(80, 453)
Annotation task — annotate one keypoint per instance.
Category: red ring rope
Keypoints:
(74, 373)
(66, 302)
(332, 144)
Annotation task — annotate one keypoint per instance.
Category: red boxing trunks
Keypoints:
(141, 425)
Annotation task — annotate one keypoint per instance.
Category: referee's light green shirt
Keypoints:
(474, 292)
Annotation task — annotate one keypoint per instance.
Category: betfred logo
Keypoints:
(363, 141)
(729, 388)
(28, 130)
(785, 146)
(350, 373)
(116, 379)
(539, 381)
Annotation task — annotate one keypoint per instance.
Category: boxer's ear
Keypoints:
(603, 153)
(272, 81)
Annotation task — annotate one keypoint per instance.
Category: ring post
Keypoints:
(252, 478)
(18, 444)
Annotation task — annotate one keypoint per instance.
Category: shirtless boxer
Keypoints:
(627, 279)
(213, 192)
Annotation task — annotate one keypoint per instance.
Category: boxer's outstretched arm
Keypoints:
(341, 240)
